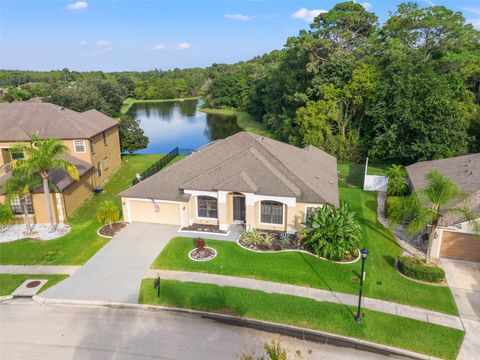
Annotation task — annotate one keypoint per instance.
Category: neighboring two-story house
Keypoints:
(93, 147)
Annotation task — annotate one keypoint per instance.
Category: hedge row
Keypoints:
(417, 269)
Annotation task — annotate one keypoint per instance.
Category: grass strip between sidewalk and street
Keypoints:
(9, 282)
(409, 334)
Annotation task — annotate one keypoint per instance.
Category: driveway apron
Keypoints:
(116, 270)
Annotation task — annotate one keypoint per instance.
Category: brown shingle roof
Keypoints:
(246, 162)
(20, 120)
(464, 170)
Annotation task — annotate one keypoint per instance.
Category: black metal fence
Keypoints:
(160, 164)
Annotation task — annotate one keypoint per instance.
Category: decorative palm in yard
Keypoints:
(397, 180)
(20, 185)
(108, 212)
(426, 206)
(41, 157)
(332, 232)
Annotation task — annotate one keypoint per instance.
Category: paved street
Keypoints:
(116, 270)
(29, 330)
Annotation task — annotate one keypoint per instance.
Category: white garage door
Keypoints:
(158, 212)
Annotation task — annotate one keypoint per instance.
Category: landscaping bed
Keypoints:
(202, 255)
(268, 240)
(203, 228)
(414, 335)
(111, 230)
(416, 269)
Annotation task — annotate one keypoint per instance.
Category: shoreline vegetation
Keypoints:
(244, 120)
(128, 102)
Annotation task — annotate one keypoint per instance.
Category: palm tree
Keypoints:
(20, 185)
(397, 180)
(426, 206)
(42, 157)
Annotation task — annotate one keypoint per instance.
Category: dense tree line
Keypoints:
(102, 91)
(403, 91)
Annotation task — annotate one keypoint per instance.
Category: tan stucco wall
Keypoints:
(144, 211)
(77, 193)
(39, 208)
(111, 151)
(85, 156)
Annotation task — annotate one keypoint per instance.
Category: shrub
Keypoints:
(108, 212)
(284, 238)
(332, 232)
(397, 180)
(390, 203)
(256, 238)
(200, 244)
(416, 268)
(6, 215)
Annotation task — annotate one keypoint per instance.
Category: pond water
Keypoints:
(180, 124)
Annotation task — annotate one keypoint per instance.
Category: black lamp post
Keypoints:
(364, 254)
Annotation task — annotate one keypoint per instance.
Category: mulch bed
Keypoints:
(204, 228)
(106, 230)
(205, 255)
(277, 245)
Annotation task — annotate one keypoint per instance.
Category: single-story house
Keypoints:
(93, 144)
(456, 237)
(243, 179)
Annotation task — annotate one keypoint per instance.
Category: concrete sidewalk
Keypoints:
(311, 293)
(38, 269)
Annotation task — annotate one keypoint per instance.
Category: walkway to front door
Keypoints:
(116, 270)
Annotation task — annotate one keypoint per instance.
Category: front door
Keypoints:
(239, 209)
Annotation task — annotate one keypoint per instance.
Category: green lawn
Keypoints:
(382, 281)
(378, 327)
(8, 282)
(352, 175)
(82, 242)
(246, 121)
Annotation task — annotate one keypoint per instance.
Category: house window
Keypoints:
(17, 205)
(99, 170)
(271, 212)
(79, 146)
(92, 149)
(309, 210)
(105, 163)
(104, 138)
(207, 207)
(17, 155)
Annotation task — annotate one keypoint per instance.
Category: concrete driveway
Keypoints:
(464, 280)
(116, 270)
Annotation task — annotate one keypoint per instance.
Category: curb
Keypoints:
(280, 329)
(109, 237)
(6, 297)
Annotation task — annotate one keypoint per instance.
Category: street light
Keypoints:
(364, 254)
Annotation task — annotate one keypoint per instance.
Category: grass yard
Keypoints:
(306, 270)
(352, 175)
(82, 242)
(9, 282)
(378, 327)
(244, 120)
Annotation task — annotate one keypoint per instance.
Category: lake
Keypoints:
(171, 124)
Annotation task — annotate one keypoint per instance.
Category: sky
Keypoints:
(116, 35)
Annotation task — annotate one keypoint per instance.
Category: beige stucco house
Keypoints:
(93, 147)
(243, 179)
(455, 238)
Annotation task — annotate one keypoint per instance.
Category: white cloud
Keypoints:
(307, 15)
(157, 47)
(103, 43)
(475, 23)
(475, 10)
(366, 5)
(429, 2)
(102, 51)
(79, 5)
(83, 42)
(239, 17)
(183, 46)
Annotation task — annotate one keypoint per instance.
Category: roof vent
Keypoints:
(317, 177)
(62, 108)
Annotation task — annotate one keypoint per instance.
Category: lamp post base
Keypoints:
(358, 318)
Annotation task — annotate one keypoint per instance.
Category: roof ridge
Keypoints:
(248, 180)
(56, 108)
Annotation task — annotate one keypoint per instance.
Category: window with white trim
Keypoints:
(207, 207)
(105, 163)
(309, 210)
(79, 146)
(271, 212)
(16, 205)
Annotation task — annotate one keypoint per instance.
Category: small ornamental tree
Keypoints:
(6, 216)
(108, 212)
(332, 232)
(397, 180)
(200, 244)
(132, 137)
